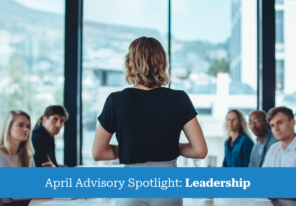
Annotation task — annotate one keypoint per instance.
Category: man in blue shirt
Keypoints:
(259, 127)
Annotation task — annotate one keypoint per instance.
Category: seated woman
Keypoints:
(238, 145)
(16, 149)
(148, 119)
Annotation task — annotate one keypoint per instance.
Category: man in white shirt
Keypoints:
(282, 153)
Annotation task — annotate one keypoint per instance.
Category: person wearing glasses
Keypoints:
(148, 119)
(238, 145)
(282, 153)
(259, 126)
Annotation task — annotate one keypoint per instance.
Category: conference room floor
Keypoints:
(186, 202)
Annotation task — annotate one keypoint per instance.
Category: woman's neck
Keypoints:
(14, 147)
(141, 86)
(234, 135)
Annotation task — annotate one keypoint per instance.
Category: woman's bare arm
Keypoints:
(102, 150)
(197, 146)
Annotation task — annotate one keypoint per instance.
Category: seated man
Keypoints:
(282, 153)
(259, 127)
(48, 125)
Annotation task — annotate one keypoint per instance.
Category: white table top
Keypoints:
(186, 202)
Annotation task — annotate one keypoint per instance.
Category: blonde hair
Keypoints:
(25, 150)
(243, 123)
(146, 63)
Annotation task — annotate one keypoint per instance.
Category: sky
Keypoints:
(207, 20)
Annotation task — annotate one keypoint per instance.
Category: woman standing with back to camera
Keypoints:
(148, 119)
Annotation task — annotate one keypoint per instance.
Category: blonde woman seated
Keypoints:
(16, 149)
(148, 119)
(238, 146)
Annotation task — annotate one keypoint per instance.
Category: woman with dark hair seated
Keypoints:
(148, 119)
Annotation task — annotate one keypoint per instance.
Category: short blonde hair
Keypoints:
(146, 63)
(25, 151)
(243, 123)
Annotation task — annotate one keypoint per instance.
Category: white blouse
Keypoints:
(11, 161)
(277, 156)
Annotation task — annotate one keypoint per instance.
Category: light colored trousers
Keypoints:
(151, 201)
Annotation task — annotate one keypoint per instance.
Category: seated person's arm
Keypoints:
(225, 162)
(41, 151)
(252, 158)
(247, 149)
(197, 146)
(54, 161)
(267, 161)
(102, 150)
(49, 163)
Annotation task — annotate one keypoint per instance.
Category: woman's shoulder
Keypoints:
(246, 138)
(3, 152)
(162, 90)
(4, 159)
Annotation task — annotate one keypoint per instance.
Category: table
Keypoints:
(95, 201)
(186, 202)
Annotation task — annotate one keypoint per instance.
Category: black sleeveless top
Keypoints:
(147, 123)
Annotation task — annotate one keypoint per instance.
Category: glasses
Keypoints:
(255, 121)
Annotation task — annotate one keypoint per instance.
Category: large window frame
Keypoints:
(73, 69)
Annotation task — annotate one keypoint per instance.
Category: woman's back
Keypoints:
(148, 118)
(147, 122)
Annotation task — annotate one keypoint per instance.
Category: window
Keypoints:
(236, 42)
(32, 59)
(279, 1)
(279, 29)
(285, 60)
(214, 43)
(204, 111)
(213, 56)
(280, 75)
(108, 29)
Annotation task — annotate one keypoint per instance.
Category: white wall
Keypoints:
(290, 46)
(249, 42)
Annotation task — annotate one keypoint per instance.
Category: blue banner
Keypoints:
(148, 182)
